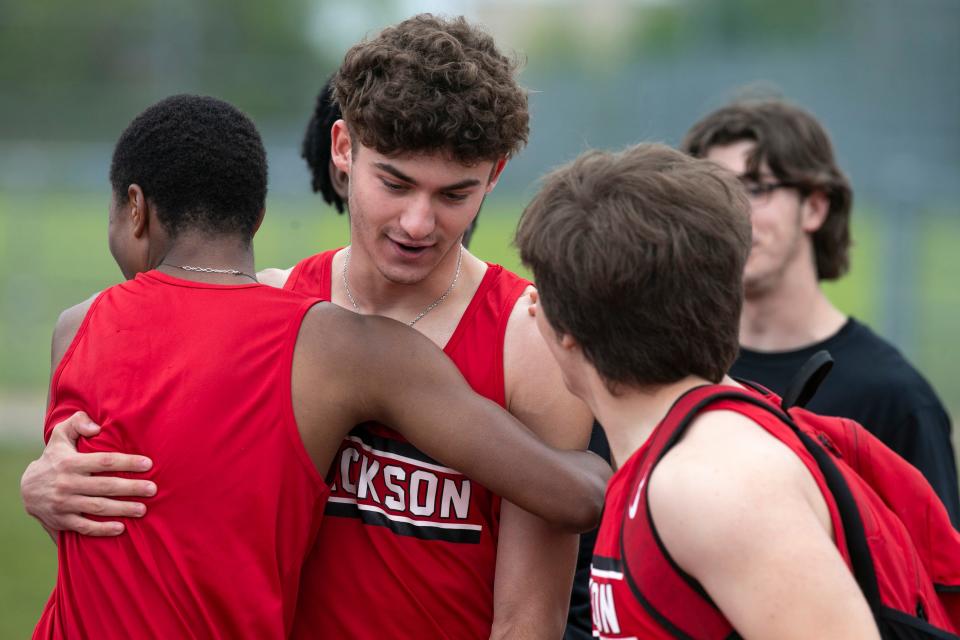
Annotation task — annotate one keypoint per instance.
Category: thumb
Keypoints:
(77, 425)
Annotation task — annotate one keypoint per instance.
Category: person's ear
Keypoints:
(256, 227)
(340, 181)
(495, 173)
(139, 213)
(568, 342)
(341, 146)
(816, 207)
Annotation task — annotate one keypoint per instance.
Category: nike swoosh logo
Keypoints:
(636, 498)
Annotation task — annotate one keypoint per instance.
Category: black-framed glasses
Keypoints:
(758, 191)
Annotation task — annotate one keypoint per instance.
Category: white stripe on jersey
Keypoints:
(396, 518)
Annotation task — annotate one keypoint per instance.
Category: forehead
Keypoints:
(435, 168)
(733, 157)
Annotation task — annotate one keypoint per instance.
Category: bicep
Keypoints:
(416, 389)
(789, 580)
(535, 561)
(534, 575)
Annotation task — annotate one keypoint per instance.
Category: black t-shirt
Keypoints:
(872, 383)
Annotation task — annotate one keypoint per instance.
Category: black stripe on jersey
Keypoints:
(423, 532)
(390, 445)
(606, 564)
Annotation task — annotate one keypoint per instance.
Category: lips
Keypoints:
(409, 248)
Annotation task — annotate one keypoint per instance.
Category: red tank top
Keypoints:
(408, 546)
(197, 377)
(624, 609)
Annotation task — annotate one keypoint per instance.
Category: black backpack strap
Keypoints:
(807, 380)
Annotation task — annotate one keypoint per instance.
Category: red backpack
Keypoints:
(908, 568)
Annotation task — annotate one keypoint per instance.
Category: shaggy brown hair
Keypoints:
(798, 151)
(639, 257)
(429, 84)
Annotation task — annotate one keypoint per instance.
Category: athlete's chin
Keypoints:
(405, 275)
(756, 285)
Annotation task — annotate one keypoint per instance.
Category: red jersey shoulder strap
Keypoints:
(491, 304)
(311, 276)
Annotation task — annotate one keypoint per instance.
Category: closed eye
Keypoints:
(396, 187)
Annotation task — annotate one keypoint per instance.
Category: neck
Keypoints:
(793, 314)
(630, 417)
(376, 294)
(200, 250)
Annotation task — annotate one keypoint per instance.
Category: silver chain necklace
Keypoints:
(430, 307)
(232, 272)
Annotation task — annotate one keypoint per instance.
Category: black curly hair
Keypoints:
(316, 146)
(199, 160)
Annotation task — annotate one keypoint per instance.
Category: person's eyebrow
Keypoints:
(392, 170)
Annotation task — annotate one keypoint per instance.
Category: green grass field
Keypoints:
(53, 254)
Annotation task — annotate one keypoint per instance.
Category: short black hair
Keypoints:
(316, 146)
(199, 160)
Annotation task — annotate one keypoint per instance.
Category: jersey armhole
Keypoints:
(67, 355)
(286, 394)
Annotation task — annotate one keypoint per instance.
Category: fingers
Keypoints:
(87, 527)
(102, 486)
(534, 298)
(109, 463)
(106, 508)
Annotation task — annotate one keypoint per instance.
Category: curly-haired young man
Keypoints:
(409, 548)
(800, 202)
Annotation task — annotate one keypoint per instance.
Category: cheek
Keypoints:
(765, 224)
(113, 240)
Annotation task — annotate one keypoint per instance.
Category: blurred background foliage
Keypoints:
(882, 75)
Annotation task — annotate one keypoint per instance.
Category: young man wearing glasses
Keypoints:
(800, 212)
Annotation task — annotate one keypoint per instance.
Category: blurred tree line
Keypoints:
(73, 70)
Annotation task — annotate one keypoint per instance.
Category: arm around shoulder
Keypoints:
(60, 487)
(396, 376)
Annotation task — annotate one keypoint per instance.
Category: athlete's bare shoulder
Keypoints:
(736, 480)
(522, 338)
(66, 328)
(274, 277)
(534, 386)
